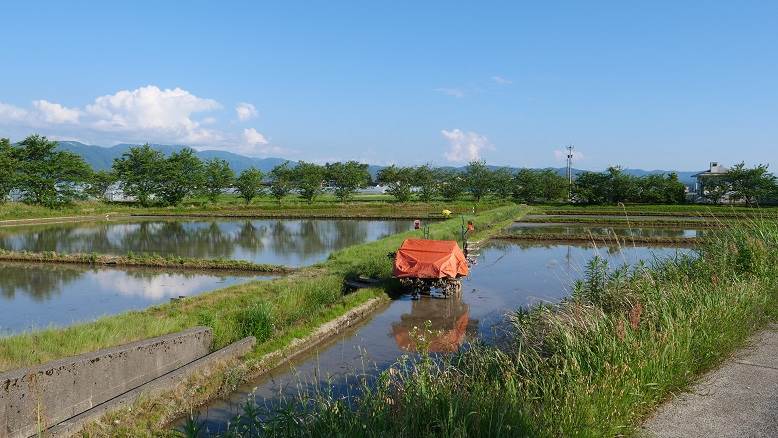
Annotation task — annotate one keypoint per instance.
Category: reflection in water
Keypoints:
(20, 279)
(37, 296)
(508, 275)
(279, 241)
(448, 319)
(621, 231)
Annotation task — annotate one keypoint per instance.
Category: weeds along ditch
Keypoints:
(595, 364)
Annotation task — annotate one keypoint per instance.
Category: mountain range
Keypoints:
(101, 158)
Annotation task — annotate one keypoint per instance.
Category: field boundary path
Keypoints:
(62, 219)
(736, 400)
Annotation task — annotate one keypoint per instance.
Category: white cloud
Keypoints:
(501, 80)
(561, 155)
(252, 137)
(55, 113)
(12, 114)
(453, 92)
(465, 146)
(245, 111)
(151, 112)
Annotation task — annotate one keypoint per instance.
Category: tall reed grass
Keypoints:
(595, 364)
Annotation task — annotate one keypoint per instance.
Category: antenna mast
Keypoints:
(570, 170)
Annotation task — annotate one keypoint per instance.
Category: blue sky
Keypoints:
(668, 85)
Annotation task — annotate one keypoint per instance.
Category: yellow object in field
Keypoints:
(446, 212)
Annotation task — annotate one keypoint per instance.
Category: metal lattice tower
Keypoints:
(570, 169)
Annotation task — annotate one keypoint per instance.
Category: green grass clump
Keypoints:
(595, 364)
(256, 321)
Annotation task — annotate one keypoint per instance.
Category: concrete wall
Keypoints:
(45, 395)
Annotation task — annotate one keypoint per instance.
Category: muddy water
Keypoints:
(508, 275)
(38, 296)
(291, 242)
(607, 230)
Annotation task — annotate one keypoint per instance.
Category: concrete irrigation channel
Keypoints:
(58, 398)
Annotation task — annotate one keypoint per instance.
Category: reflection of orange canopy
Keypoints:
(429, 259)
(447, 341)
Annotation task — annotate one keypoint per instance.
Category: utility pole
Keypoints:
(570, 171)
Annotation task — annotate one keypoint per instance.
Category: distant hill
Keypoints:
(101, 158)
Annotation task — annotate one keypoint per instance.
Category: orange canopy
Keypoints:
(430, 259)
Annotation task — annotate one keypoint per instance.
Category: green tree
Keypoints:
(661, 189)
(426, 179)
(502, 183)
(47, 176)
(621, 186)
(526, 186)
(281, 181)
(99, 183)
(398, 181)
(347, 178)
(553, 186)
(182, 176)
(218, 177)
(478, 180)
(308, 179)
(9, 169)
(139, 172)
(249, 184)
(451, 184)
(591, 188)
(715, 188)
(750, 184)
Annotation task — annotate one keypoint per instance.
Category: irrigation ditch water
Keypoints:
(506, 276)
(35, 296)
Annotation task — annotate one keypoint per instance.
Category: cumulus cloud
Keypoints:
(561, 155)
(501, 80)
(12, 114)
(252, 137)
(55, 113)
(453, 92)
(153, 112)
(245, 111)
(465, 146)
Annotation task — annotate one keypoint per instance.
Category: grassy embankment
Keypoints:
(155, 261)
(276, 312)
(373, 206)
(598, 239)
(719, 211)
(594, 365)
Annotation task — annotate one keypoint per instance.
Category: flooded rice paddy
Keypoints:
(508, 275)
(574, 229)
(35, 296)
(290, 242)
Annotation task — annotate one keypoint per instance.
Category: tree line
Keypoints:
(752, 186)
(38, 173)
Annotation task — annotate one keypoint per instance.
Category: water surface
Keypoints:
(604, 230)
(290, 242)
(34, 296)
